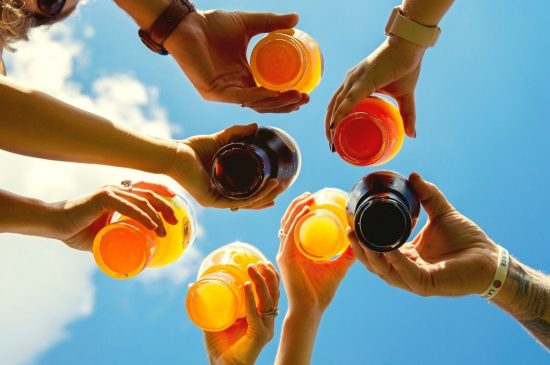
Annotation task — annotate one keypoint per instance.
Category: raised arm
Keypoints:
(210, 47)
(310, 288)
(76, 221)
(452, 256)
(38, 125)
(526, 296)
(392, 68)
(35, 124)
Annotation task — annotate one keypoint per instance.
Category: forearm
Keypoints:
(526, 296)
(35, 124)
(25, 215)
(297, 338)
(143, 12)
(427, 12)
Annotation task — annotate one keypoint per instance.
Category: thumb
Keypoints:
(346, 259)
(267, 22)
(432, 199)
(407, 108)
(236, 132)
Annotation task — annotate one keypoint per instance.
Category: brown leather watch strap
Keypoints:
(165, 24)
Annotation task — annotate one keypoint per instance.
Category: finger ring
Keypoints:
(281, 234)
(127, 184)
(234, 209)
(272, 313)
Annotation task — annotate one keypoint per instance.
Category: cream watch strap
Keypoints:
(401, 26)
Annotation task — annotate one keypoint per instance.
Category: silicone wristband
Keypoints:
(401, 26)
(503, 264)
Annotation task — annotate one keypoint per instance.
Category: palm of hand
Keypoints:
(449, 245)
(312, 283)
(214, 55)
(194, 165)
(231, 346)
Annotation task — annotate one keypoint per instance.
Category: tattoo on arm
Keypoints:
(531, 302)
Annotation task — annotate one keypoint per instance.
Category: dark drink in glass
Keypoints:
(242, 168)
(383, 209)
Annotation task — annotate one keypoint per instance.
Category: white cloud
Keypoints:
(43, 285)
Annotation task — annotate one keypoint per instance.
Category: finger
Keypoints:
(157, 188)
(236, 132)
(348, 102)
(281, 99)
(345, 260)
(272, 282)
(260, 198)
(267, 22)
(407, 108)
(272, 267)
(330, 110)
(303, 199)
(287, 243)
(160, 204)
(408, 270)
(252, 317)
(146, 207)
(297, 211)
(265, 303)
(378, 262)
(265, 206)
(432, 199)
(246, 95)
(381, 267)
(282, 110)
(130, 210)
(358, 249)
(270, 197)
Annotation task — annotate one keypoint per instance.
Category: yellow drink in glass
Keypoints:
(321, 235)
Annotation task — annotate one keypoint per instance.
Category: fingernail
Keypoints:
(332, 148)
(414, 134)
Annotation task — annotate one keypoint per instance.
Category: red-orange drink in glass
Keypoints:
(372, 134)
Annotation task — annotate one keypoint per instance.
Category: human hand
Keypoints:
(242, 343)
(79, 220)
(210, 47)
(310, 286)
(191, 168)
(393, 69)
(450, 256)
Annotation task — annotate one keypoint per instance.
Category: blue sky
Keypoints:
(483, 130)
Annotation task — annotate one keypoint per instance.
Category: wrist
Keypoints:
(304, 314)
(427, 13)
(143, 12)
(509, 289)
(188, 28)
(183, 156)
(405, 47)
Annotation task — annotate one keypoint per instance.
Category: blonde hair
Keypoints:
(15, 22)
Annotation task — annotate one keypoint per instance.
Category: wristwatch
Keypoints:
(401, 26)
(165, 24)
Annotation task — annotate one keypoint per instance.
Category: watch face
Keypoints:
(152, 45)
